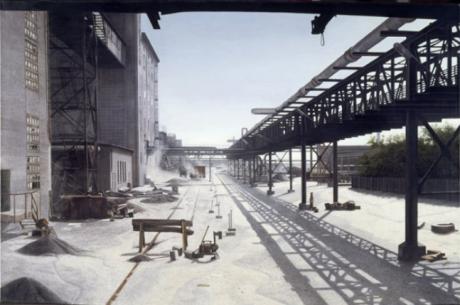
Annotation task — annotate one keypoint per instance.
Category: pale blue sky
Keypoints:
(215, 67)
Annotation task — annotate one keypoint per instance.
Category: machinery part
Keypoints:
(206, 247)
(443, 228)
(218, 234)
(211, 211)
(432, 256)
(318, 24)
(347, 206)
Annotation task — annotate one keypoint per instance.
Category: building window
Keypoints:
(31, 51)
(33, 172)
(121, 172)
(33, 134)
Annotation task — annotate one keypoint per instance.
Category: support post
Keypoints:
(209, 168)
(238, 169)
(290, 171)
(303, 155)
(244, 171)
(254, 170)
(270, 174)
(335, 181)
(410, 249)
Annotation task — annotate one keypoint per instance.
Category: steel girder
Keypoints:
(372, 99)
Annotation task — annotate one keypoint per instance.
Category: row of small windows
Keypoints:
(33, 146)
(33, 172)
(33, 133)
(31, 51)
(30, 28)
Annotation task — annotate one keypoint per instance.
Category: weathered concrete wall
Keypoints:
(118, 92)
(109, 170)
(17, 101)
(148, 102)
(128, 96)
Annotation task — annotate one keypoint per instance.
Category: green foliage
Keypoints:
(387, 158)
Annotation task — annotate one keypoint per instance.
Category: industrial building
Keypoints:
(148, 125)
(25, 137)
(121, 103)
(79, 105)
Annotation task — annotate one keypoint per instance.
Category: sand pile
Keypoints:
(27, 290)
(140, 258)
(176, 182)
(11, 230)
(159, 198)
(49, 245)
(280, 177)
(135, 207)
(142, 190)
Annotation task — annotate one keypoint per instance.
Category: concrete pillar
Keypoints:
(290, 171)
(270, 174)
(410, 249)
(303, 155)
(335, 181)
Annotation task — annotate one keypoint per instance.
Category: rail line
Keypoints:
(149, 246)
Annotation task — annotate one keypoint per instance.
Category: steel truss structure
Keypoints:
(421, 75)
(73, 63)
(414, 83)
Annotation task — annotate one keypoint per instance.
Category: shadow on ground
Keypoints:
(338, 266)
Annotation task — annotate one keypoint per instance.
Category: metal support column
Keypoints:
(254, 170)
(270, 175)
(410, 249)
(303, 165)
(209, 168)
(335, 180)
(238, 169)
(244, 171)
(290, 171)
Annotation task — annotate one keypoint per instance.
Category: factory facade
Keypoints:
(79, 106)
(25, 141)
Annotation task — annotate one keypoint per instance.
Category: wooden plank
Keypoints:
(149, 228)
(160, 222)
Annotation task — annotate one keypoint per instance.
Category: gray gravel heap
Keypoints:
(27, 290)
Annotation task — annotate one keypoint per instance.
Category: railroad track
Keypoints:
(149, 246)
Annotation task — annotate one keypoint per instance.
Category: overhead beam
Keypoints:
(154, 18)
(394, 8)
(368, 53)
(397, 33)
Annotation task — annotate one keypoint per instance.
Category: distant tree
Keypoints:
(387, 157)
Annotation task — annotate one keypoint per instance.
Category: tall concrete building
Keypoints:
(24, 134)
(128, 98)
(148, 124)
(79, 105)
